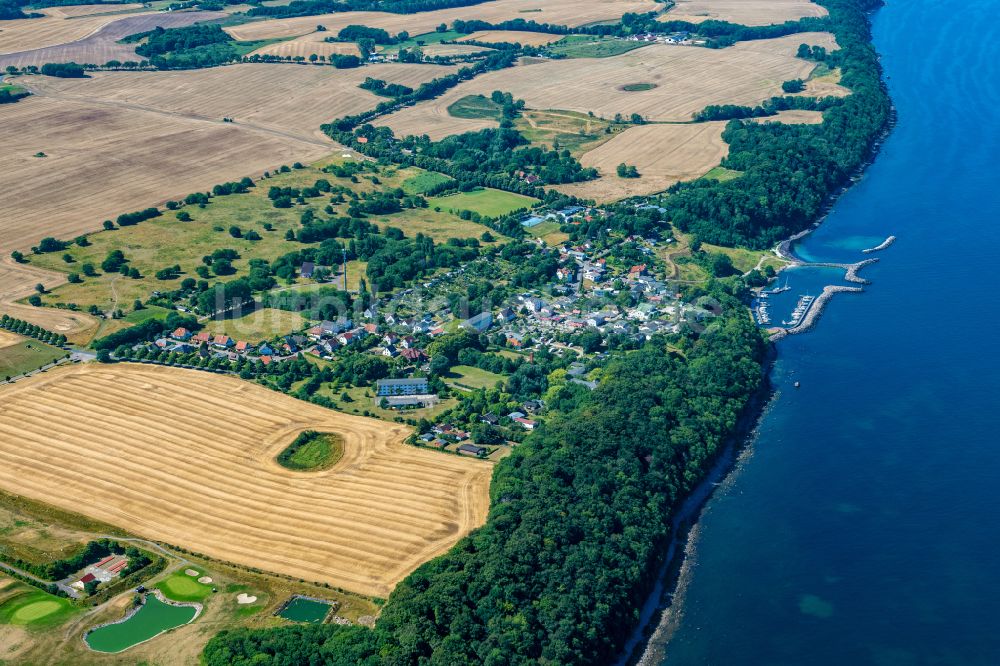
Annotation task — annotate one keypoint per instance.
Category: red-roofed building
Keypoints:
(204, 336)
(413, 355)
(181, 334)
(223, 341)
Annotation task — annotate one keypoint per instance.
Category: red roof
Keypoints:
(89, 577)
(241, 345)
(266, 360)
(412, 354)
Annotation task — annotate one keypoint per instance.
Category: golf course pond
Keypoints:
(154, 617)
(304, 609)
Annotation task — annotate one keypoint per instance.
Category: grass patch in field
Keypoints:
(585, 46)
(467, 376)
(147, 313)
(424, 181)
(181, 587)
(722, 174)
(549, 232)
(439, 225)
(24, 536)
(25, 356)
(32, 608)
(312, 451)
(569, 130)
(638, 87)
(485, 201)
(744, 259)
(263, 324)
(475, 107)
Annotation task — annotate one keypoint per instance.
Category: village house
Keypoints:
(413, 355)
(307, 269)
(181, 334)
(223, 341)
(527, 424)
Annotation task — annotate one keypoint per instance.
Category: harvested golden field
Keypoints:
(188, 458)
(7, 338)
(102, 160)
(24, 34)
(663, 154)
(307, 45)
(560, 12)
(512, 37)
(745, 12)
(18, 281)
(74, 11)
(88, 39)
(452, 49)
(793, 117)
(685, 80)
(432, 119)
(288, 99)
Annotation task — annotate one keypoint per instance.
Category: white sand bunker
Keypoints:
(243, 598)
(205, 580)
(191, 572)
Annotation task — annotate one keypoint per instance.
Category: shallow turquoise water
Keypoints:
(862, 529)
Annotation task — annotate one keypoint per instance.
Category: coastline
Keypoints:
(660, 614)
(683, 525)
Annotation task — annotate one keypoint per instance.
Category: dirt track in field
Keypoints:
(187, 458)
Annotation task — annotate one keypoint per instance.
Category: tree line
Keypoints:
(30, 330)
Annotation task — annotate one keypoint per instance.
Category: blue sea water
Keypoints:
(864, 525)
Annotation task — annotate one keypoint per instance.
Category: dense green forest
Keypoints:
(576, 528)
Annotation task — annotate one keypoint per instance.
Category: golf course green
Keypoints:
(34, 609)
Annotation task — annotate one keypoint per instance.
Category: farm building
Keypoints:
(471, 450)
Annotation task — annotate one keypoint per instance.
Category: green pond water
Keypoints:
(152, 619)
(300, 609)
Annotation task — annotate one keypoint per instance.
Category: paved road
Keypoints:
(60, 584)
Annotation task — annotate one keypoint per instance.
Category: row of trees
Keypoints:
(30, 330)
